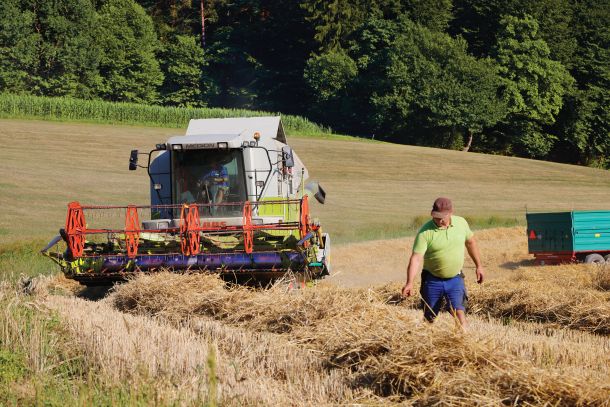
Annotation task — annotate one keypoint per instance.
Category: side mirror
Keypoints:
(320, 195)
(287, 157)
(133, 160)
(317, 191)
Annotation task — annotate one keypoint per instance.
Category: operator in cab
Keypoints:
(215, 183)
(205, 184)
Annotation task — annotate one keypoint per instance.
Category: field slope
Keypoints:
(375, 190)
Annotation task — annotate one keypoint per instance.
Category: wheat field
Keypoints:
(536, 335)
(334, 345)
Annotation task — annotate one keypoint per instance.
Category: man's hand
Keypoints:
(415, 263)
(407, 290)
(473, 252)
(480, 274)
(202, 183)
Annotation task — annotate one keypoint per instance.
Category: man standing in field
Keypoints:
(439, 248)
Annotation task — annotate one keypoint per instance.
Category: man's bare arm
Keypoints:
(415, 265)
(473, 252)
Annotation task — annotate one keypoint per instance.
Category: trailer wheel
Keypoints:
(595, 258)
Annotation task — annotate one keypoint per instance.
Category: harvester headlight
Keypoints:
(253, 144)
(161, 146)
(177, 147)
(157, 187)
(245, 144)
(223, 144)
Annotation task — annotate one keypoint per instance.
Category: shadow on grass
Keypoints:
(95, 293)
(514, 265)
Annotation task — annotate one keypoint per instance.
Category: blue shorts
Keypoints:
(434, 289)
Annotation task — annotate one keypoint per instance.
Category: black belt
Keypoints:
(426, 273)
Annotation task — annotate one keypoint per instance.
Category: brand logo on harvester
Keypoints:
(214, 224)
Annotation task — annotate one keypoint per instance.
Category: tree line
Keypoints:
(500, 76)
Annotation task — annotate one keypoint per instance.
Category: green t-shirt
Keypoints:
(443, 249)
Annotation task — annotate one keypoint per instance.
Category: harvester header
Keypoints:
(228, 197)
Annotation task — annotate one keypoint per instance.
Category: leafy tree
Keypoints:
(383, 67)
(329, 77)
(534, 85)
(592, 58)
(328, 74)
(448, 88)
(432, 14)
(477, 21)
(586, 130)
(49, 48)
(18, 47)
(480, 22)
(257, 52)
(182, 17)
(408, 83)
(183, 64)
(129, 66)
(336, 21)
(178, 23)
(555, 26)
(351, 109)
(585, 126)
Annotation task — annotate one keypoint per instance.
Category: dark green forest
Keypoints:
(514, 77)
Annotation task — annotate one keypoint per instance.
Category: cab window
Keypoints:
(211, 177)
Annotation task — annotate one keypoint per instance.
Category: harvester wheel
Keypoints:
(607, 258)
(595, 258)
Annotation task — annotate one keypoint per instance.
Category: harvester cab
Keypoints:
(228, 197)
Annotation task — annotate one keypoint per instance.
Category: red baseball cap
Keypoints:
(441, 208)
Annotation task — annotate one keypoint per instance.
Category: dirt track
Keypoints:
(383, 261)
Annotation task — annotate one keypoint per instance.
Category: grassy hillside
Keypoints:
(375, 190)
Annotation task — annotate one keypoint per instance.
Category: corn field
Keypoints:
(69, 109)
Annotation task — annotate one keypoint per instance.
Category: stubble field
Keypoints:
(537, 335)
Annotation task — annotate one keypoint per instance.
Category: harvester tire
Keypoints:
(595, 258)
(607, 257)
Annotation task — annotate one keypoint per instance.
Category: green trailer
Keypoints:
(564, 237)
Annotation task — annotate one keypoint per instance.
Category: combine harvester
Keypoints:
(229, 197)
